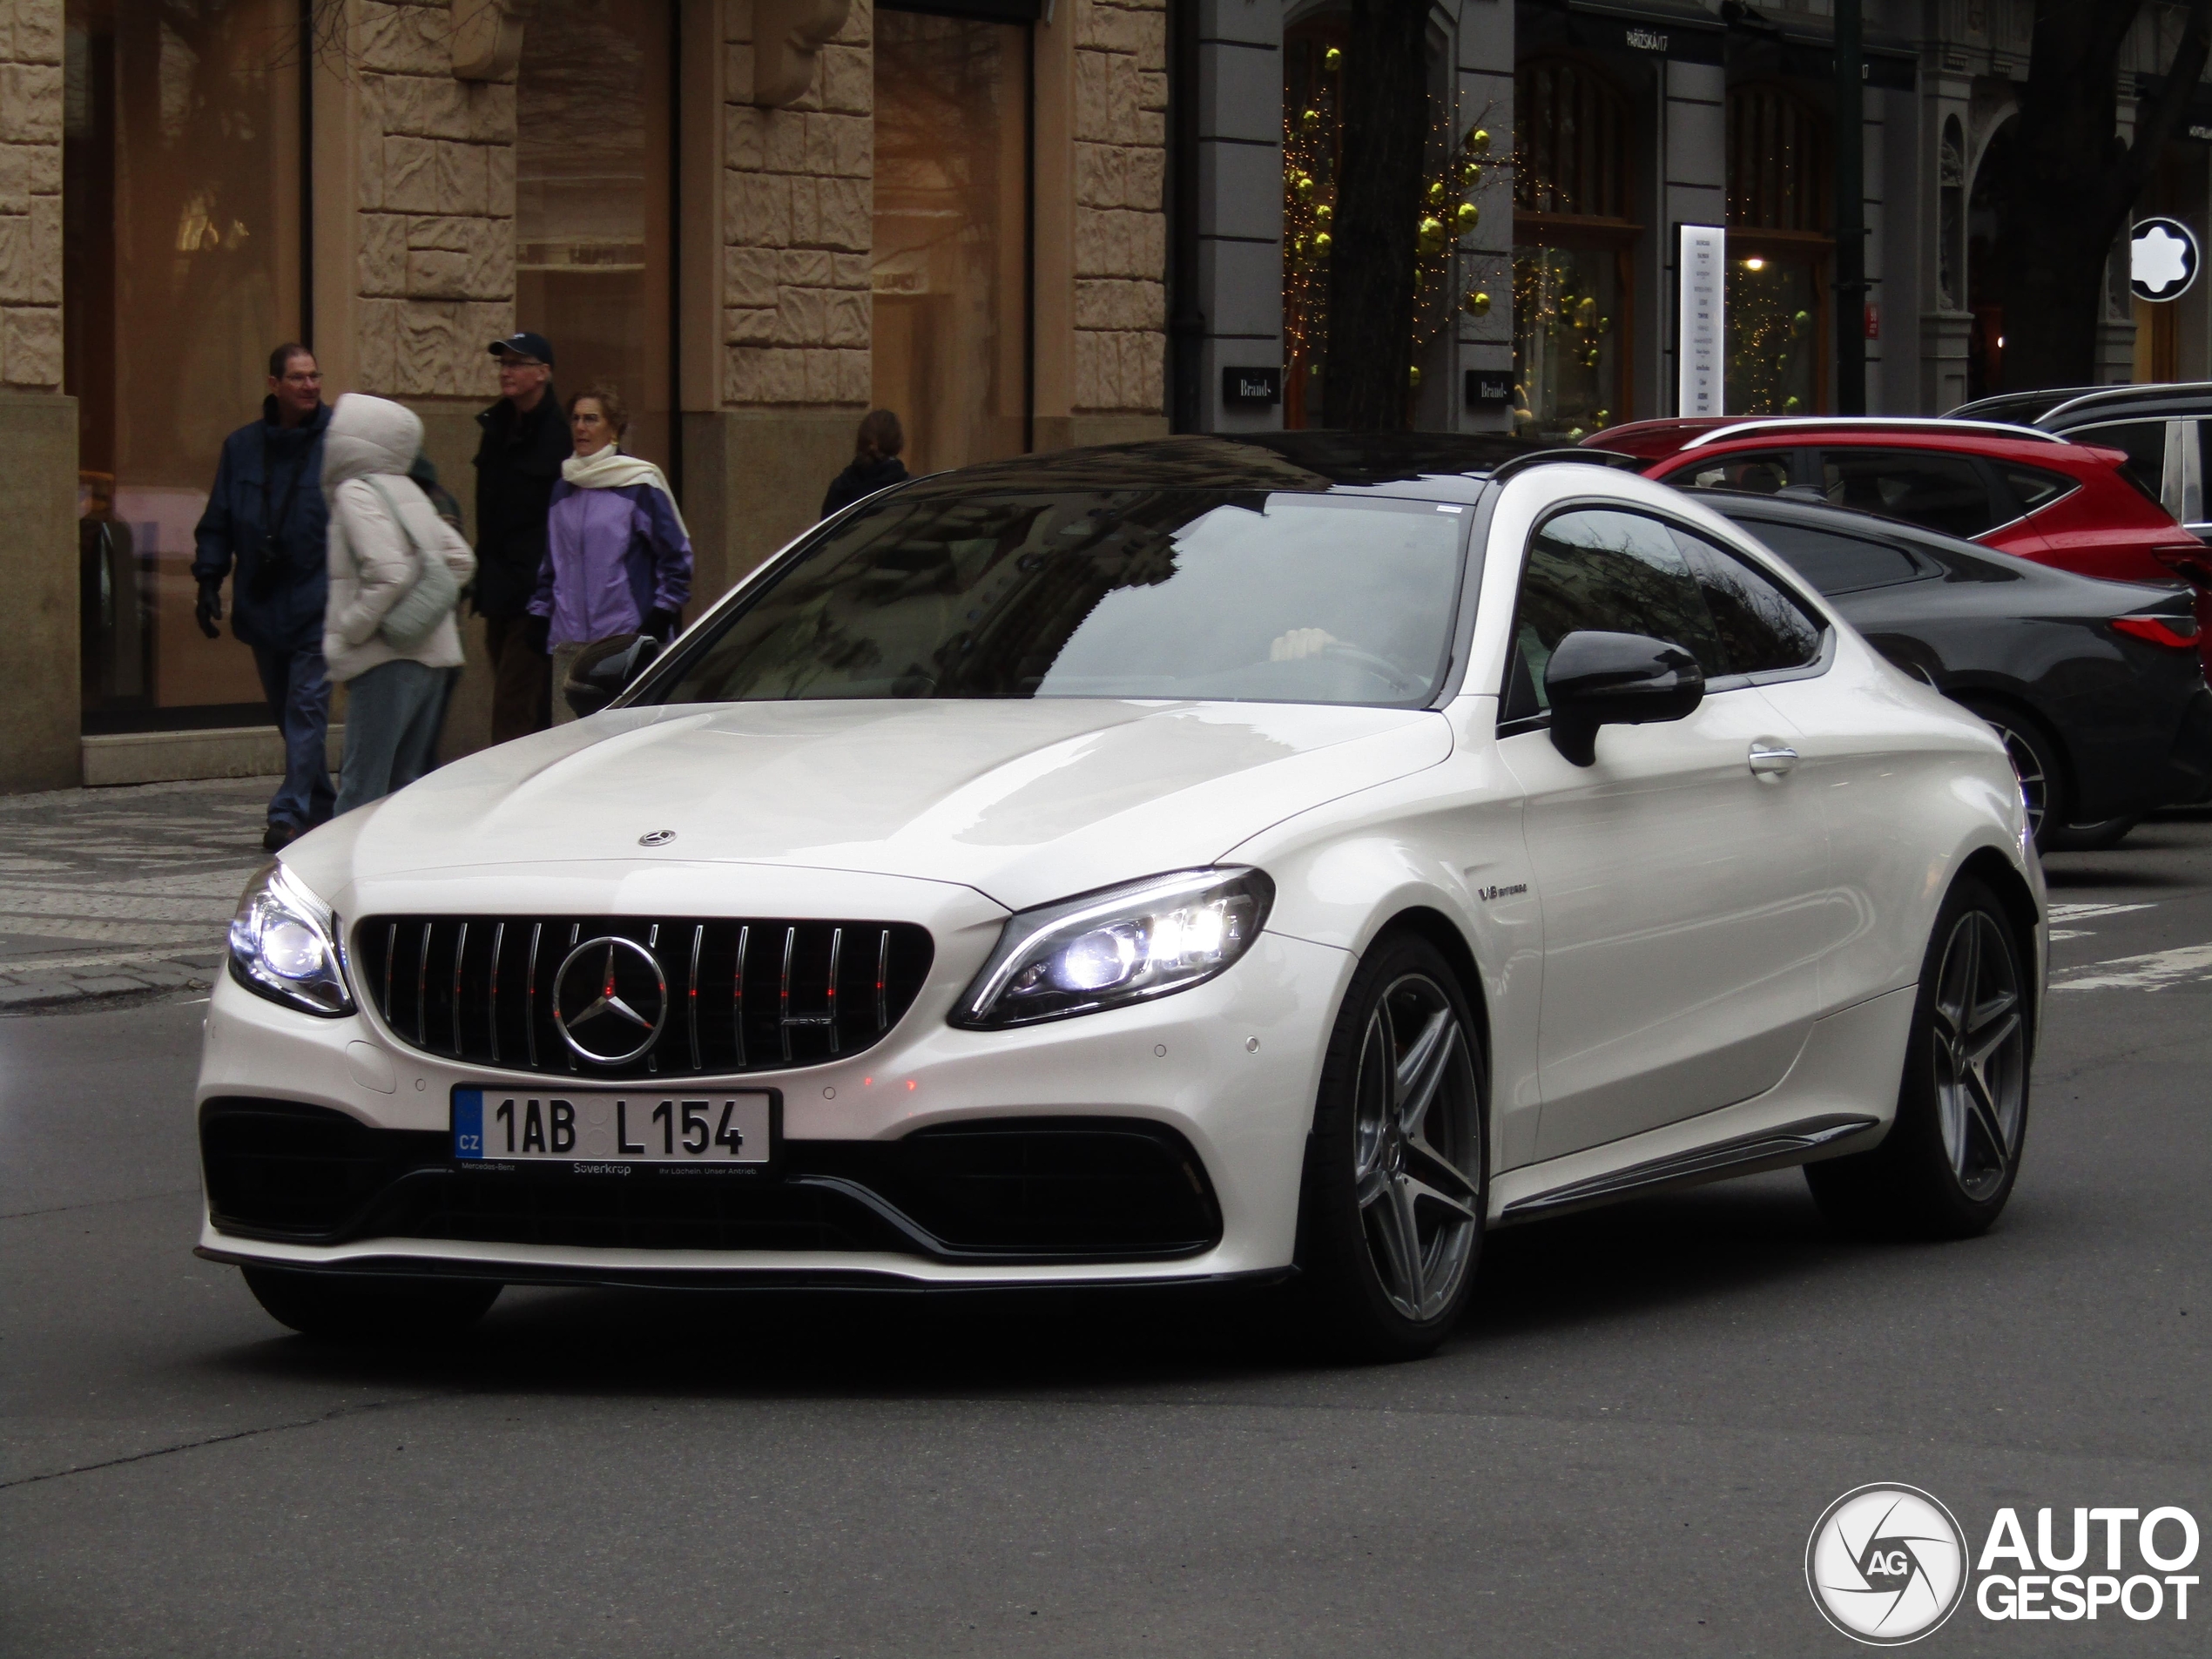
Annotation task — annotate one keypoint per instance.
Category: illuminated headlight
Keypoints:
(1127, 944)
(284, 945)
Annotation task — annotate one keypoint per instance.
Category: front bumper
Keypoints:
(1228, 1071)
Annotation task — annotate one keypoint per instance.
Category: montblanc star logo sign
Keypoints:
(610, 1000)
(2162, 258)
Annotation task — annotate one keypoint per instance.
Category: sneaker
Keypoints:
(277, 837)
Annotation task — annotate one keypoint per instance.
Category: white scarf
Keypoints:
(609, 468)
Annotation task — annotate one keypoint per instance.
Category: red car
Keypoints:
(2015, 489)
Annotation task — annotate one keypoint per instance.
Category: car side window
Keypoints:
(1836, 563)
(1944, 491)
(1609, 572)
(2142, 441)
(1759, 472)
(2035, 489)
(1763, 629)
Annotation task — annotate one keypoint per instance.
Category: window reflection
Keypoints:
(951, 236)
(181, 234)
(592, 111)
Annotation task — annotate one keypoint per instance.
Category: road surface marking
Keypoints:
(2152, 971)
(2082, 912)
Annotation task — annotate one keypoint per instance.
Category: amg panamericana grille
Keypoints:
(733, 996)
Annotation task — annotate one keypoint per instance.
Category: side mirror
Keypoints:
(1596, 679)
(605, 667)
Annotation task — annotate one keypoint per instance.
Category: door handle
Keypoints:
(1771, 758)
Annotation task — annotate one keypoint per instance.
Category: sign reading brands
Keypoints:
(1701, 269)
(2162, 258)
(1489, 389)
(1251, 388)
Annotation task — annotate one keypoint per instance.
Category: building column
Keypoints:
(1240, 204)
(1482, 341)
(39, 744)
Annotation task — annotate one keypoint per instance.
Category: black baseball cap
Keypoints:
(525, 345)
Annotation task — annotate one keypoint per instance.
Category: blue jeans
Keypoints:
(392, 713)
(298, 693)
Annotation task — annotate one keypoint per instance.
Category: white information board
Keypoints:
(1701, 269)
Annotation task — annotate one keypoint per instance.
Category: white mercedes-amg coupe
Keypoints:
(1195, 860)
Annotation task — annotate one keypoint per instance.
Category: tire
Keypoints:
(2088, 838)
(1391, 1208)
(338, 1307)
(1949, 1161)
(2039, 765)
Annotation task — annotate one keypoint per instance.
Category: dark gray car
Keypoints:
(2097, 687)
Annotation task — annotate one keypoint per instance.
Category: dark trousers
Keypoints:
(522, 680)
(298, 693)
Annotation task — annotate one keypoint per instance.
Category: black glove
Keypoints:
(537, 633)
(209, 610)
(662, 625)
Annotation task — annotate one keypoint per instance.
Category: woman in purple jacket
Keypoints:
(617, 558)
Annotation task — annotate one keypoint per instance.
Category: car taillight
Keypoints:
(2178, 632)
(2192, 562)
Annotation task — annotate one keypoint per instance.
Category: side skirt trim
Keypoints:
(1772, 1149)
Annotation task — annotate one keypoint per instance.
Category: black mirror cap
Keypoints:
(604, 668)
(1595, 680)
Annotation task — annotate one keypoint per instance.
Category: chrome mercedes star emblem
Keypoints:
(657, 838)
(621, 973)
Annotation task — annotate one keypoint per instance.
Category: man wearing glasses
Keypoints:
(266, 527)
(518, 461)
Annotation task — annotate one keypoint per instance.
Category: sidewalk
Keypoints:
(112, 891)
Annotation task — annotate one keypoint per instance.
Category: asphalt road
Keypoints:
(1622, 1451)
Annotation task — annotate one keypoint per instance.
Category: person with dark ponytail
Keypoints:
(875, 462)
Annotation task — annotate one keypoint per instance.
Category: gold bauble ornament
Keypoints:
(1467, 216)
(1478, 304)
(1324, 213)
(1478, 140)
(1332, 60)
(1413, 377)
(1321, 243)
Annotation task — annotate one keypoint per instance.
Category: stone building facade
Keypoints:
(761, 218)
(422, 217)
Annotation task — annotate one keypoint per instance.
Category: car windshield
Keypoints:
(1245, 596)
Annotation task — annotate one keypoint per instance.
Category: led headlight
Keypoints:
(1126, 944)
(284, 945)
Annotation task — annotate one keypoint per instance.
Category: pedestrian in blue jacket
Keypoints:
(266, 528)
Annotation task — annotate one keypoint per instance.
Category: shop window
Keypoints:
(1780, 252)
(952, 236)
(1312, 155)
(1574, 249)
(183, 216)
(594, 111)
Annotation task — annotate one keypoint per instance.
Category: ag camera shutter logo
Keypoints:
(1886, 1565)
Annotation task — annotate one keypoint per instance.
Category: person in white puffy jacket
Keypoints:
(381, 528)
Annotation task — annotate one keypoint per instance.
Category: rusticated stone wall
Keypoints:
(1120, 228)
(797, 225)
(436, 163)
(30, 193)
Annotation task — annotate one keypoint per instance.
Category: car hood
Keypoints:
(1025, 801)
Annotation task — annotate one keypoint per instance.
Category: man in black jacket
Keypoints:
(265, 520)
(518, 461)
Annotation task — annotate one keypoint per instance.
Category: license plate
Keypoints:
(725, 1126)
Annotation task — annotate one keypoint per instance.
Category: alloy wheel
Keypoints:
(1415, 1141)
(2027, 767)
(1980, 1055)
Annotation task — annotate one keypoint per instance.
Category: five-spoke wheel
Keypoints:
(1949, 1162)
(1391, 1218)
